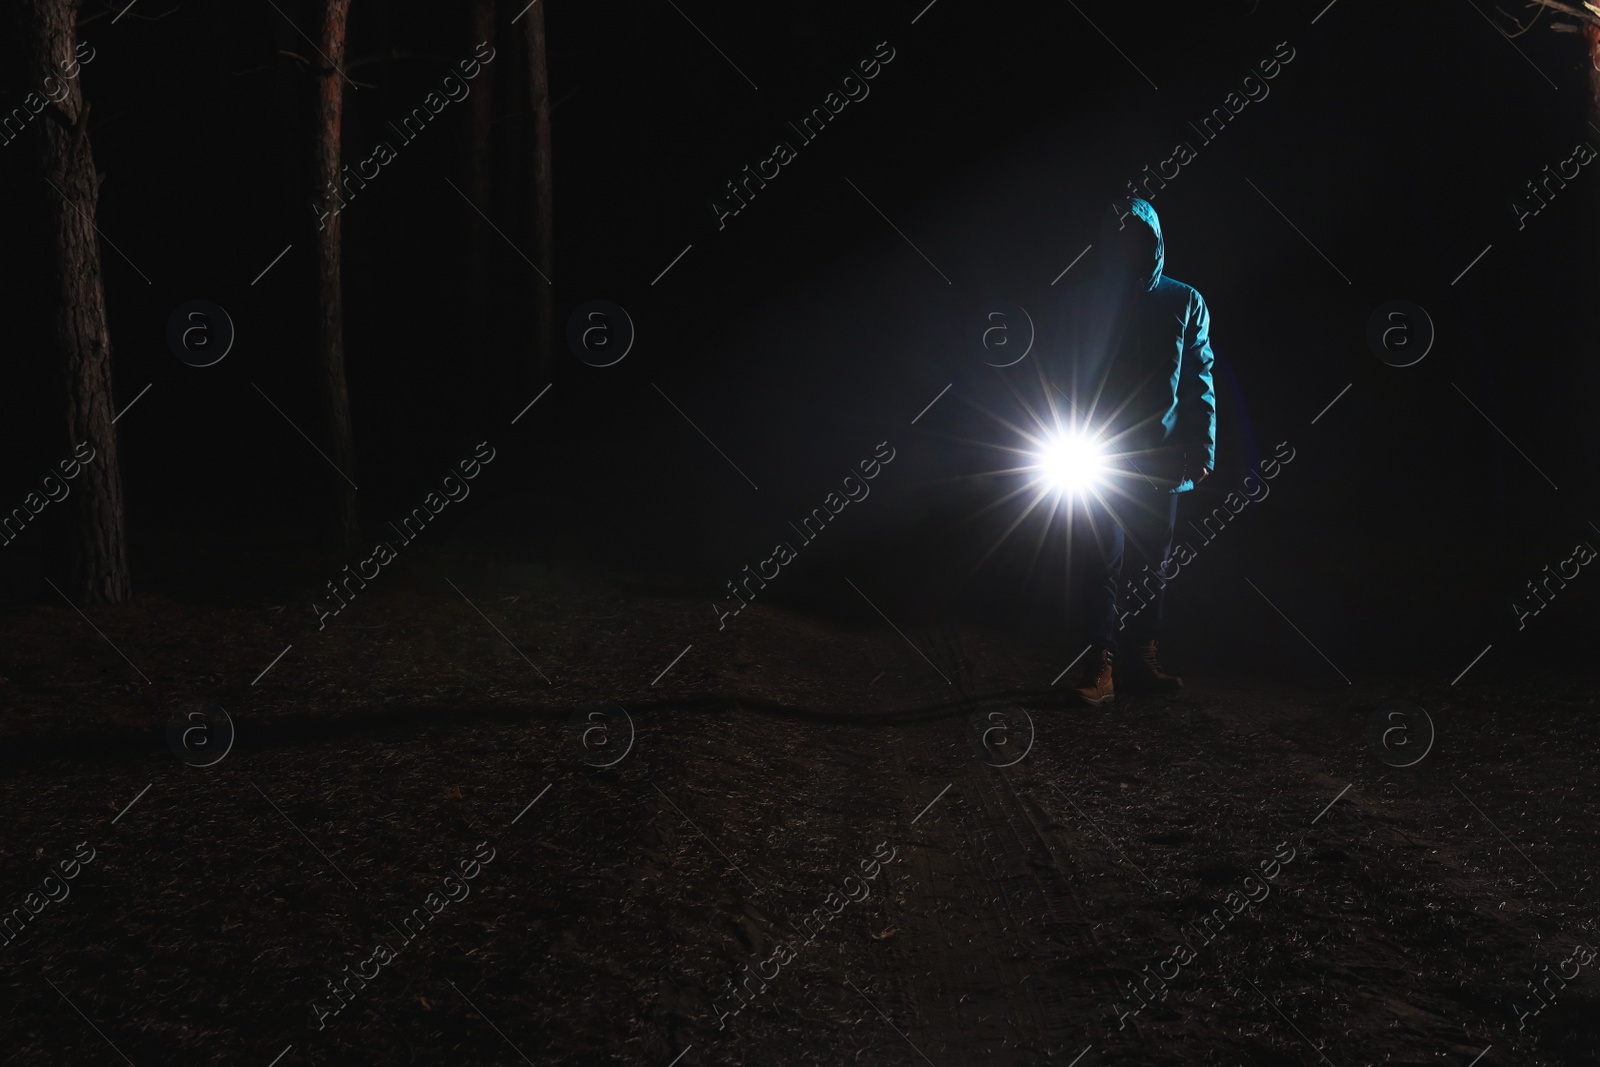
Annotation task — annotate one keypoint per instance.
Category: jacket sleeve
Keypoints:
(1197, 397)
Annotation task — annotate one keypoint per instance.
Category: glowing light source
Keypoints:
(1072, 461)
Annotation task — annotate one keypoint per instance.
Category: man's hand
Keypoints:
(1194, 472)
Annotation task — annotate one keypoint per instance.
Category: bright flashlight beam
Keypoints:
(1071, 462)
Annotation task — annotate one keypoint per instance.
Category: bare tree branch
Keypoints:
(1538, 12)
(1588, 13)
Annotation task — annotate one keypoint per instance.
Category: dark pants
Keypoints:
(1131, 538)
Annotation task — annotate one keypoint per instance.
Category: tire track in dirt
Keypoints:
(993, 951)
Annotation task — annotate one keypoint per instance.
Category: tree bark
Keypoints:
(74, 290)
(334, 390)
(543, 212)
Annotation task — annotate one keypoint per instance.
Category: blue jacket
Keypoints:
(1136, 359)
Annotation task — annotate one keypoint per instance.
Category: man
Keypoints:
(1138, 370)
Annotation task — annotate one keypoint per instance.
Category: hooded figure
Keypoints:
(1138, 355)
(1135, 365)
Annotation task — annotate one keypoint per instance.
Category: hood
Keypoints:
(1132, 232)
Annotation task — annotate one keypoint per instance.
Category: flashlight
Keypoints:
(1072, 461)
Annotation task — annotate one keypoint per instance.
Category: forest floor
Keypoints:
(797, 808)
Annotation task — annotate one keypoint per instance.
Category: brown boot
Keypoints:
(1141, 670)
(1094, 687)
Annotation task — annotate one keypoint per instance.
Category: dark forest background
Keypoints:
(807, 330)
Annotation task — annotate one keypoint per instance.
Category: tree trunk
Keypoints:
(1591, 38)
(45, 44)
(543, 213)
(335, 393)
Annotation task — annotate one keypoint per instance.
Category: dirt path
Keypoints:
(804, 857)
